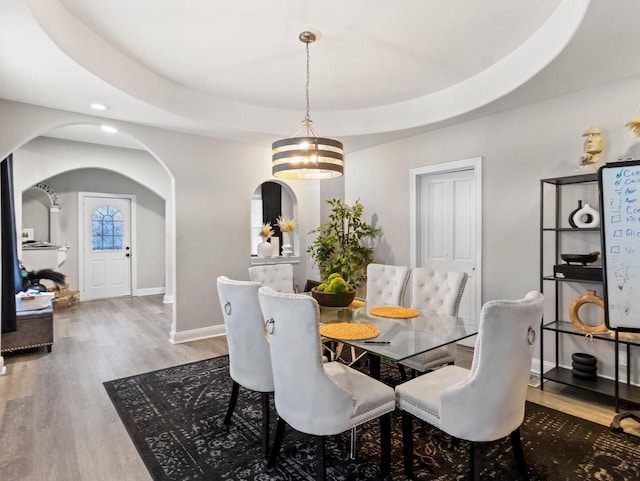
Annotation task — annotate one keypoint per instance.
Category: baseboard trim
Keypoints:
(150, 291)
(535, 366)
(167, 299)
(197, 334)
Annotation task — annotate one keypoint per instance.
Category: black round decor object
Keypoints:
(590, 376)
(584, 358)
(585, 366)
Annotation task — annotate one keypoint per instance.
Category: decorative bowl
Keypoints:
(333, 299)
(583, 259)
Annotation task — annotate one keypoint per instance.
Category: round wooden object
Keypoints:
(589, 298)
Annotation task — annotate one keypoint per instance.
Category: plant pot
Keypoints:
(333, 299)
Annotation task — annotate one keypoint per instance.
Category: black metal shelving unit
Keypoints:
(611, 388)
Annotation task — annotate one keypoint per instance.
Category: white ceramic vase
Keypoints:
(287, 248)
(586, 217)
(265, 249)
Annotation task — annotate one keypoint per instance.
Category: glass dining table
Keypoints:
(400, 339)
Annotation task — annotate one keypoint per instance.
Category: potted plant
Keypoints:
(339, 246)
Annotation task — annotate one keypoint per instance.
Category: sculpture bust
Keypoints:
(592, 147)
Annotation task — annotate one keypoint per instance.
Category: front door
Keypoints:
(106, 239)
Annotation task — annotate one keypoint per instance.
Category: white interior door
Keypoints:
(106, 239)
(446, 221)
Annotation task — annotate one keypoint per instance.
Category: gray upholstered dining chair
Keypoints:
(249, 356)
(440, 292)
(484, 403)
(313, 397)
(277, 276)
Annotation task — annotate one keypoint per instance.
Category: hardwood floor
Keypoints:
(57, 423)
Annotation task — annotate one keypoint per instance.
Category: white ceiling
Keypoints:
(381, 70)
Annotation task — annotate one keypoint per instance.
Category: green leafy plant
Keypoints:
(339, 246)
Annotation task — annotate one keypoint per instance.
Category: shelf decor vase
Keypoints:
(584, 366)
(573, 212)
(587, 216)
(265, 249)
(287, 248)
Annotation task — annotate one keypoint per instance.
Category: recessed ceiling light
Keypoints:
(109, 128)
(98, 106)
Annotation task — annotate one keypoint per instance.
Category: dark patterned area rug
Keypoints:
(175, 418)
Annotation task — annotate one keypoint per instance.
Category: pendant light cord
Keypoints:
(307, 118)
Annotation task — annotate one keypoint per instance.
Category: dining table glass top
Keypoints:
(400, 339)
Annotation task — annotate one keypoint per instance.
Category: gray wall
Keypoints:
(519, 147)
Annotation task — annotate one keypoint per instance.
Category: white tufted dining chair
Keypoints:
(277, 276)
(313, 397)
(441, 292)
(249, 356)
(386, 285)
(484, 403)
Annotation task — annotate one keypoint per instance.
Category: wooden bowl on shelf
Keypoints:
(333, 299)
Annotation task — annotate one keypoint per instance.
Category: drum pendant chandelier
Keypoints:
(308, 157)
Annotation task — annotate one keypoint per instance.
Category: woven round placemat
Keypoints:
(394, 312)
(349, 331)
(356, 303)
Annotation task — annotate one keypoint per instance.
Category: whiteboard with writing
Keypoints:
(619, 185)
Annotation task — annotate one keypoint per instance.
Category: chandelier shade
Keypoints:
(307, 158)
(310, 157)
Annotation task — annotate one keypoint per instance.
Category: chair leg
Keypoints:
(407, 443)
(266, 415)
(232, 402)
(516, 443)
(474, 461)
(385, 444)
(403, 372)
(320, 476)
(352, 444)
(277, 443)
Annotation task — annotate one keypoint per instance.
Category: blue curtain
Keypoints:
(11, 279)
